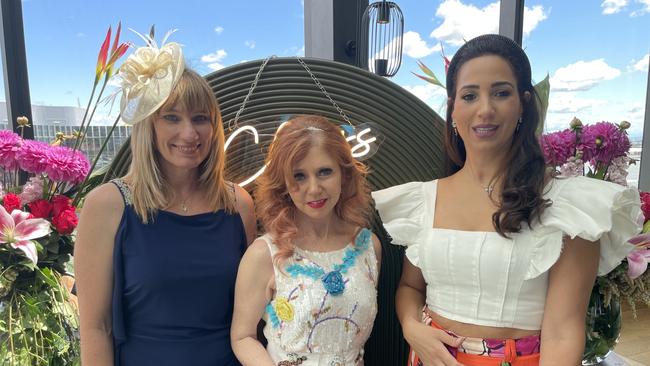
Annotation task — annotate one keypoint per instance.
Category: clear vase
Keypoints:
(603, 327)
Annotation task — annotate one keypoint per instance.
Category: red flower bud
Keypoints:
(11, 202)
(40, 209)
(65, 221)
(60, 203)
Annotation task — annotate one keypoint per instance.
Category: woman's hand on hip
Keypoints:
(429, 344)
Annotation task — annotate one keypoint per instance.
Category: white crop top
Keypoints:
(484, 279)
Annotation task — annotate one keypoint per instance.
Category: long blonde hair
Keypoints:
(149, 188)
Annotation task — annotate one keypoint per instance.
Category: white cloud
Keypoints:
(81, 34)
(463, 22)
(250, 44)
(416, 47)
(214, 59)
(115, 81)
(218, 29)
(613, 6)
(569, 102)
(301, 52)
(641, 64)
(644, 10)
(532, 17)
(582, 75)
(426, 92)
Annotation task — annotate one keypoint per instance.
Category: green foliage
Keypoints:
(37, 321)
(543, 89)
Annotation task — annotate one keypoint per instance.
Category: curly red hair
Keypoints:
(291, 144)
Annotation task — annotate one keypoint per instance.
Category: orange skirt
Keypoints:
(507, 354)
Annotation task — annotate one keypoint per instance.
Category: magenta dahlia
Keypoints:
(558, 147)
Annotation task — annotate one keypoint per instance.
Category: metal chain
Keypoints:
(322, 89)
(313, 77)
(250, 92)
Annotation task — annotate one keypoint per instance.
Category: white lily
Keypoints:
(18, 231)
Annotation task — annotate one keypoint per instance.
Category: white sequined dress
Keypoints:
(309, 325)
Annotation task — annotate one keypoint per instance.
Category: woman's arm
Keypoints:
(376, 244)
(246, 209)
(253, 279)
(426, 341)
(570, 282)
(93, 263)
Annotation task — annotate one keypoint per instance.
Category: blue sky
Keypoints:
(596, 51)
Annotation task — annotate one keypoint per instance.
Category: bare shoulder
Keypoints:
(258, 255)
(100, 218)
(243, 200)
(105, 199)
(246, 209)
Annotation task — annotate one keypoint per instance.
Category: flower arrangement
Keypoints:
(38, 320)
(600, 151)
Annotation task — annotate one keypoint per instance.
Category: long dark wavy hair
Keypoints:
(524, 177)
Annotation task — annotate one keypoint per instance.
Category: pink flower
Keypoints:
(637, 262)
(603, 141)
(32, 190)
(645, 204)
(558, 146)
(32, 156)
(9, 145)
(18, 231)
(66, 165)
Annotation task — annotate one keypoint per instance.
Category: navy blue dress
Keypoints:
(174, 285)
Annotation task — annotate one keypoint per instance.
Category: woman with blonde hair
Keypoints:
(313, 275)
(157, 250)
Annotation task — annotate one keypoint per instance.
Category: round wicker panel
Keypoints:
(411, 149)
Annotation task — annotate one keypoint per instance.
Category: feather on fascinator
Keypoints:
(148, 78)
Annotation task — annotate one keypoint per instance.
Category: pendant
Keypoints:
(183, 207)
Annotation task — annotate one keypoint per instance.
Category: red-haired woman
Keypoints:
(313, 276)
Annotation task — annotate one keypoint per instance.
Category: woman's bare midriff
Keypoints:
(479, 331)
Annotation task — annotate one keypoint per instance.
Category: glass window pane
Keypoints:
(598, 66)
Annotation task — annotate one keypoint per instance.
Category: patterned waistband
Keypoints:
(491, 347)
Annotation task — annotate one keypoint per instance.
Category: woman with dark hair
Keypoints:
(313, 275)
(501, 257)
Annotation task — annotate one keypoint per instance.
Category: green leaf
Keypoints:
(426, 70)
(432, 79)
(646, 227)
(428, 80)
(543, 89)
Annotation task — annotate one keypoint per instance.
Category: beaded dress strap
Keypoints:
(124, 190)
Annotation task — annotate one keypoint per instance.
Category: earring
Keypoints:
(518, 124)
(455, 127)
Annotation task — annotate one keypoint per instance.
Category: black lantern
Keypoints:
(380, 43)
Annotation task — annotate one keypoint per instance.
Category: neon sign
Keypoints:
(360, 149)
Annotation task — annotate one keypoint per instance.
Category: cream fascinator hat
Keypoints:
(148, 78)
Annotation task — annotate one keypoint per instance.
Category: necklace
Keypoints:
(333, 280)
(184, 206)
(489, 188)
(184, 203)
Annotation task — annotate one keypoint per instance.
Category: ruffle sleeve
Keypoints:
(401, 209)
(590, 209)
